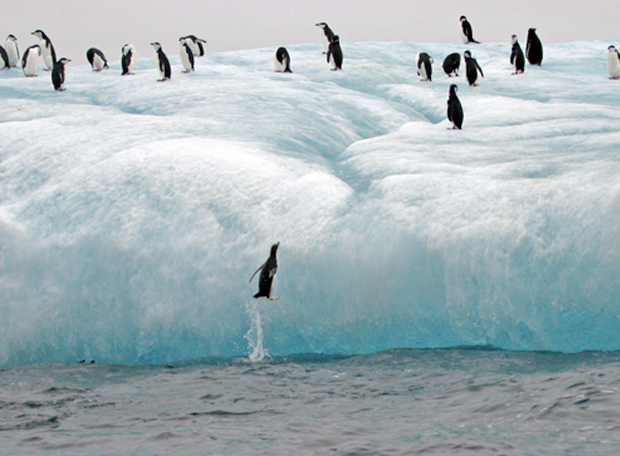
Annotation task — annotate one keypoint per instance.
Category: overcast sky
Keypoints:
(76, 25)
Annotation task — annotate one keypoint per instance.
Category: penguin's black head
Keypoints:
(321, 24)
(514, 39)
(336, 39)
(11, 37)
(274, 248)
(156, 45)
(467, 54)
(463, 18)
(453, 89)
(63, 60)
(611, 48)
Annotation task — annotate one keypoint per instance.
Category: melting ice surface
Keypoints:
(133, 212)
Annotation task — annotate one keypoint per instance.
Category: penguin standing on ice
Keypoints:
(30, 59)
(267, 274)
(96, 59)
(473, 70)
(451, 64)
(4, 59)
(334, 54)
(613, 62)
(187, 55)
(424, 62)
(282, 61)
(58, 74)
(455, 110)
(128, 58)
(467, 32)
(195, 44)
(533, 48)
(327, 35)
(163, 65)
(47, 49)
(517, 59)
(12, 50)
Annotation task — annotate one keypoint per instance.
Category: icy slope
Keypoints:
(133, 212)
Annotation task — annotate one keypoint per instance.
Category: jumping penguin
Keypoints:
(455, 110)
(282, 61)
(47, 49)
(517, 59)
(472, 69)
(96, 59)
(424, 62)
(467, 32)
(30, 59)
(327, 36)
(186, 54)
(533, 48)
(128, 58)
(12, 50)
(267, 274)
(163, 65)
(613, 62)
(334, 54)
(451, 64)
(58, 74)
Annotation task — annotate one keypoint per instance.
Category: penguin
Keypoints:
(533, 48)
(328, 35)
(187, 55)
(466, 31)
(195, 44)
(472, 69)
(128, 58)
(96, 59)
(517, 59)
(613, 62)
(29, 60)
(282, 61)
(334, 54)
(451, 64)
(455, 110)
(58, 74)
(47, 49)
(163, 65)
(12, 50)
(424, 62)
(4, 59)
(267, 274)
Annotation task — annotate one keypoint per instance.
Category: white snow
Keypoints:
(132, 212)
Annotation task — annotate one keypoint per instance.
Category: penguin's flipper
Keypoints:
(259, 269)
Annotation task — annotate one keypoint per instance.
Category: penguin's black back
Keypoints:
(534, 48)
(452, 63)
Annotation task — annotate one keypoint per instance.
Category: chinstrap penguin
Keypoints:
(517, 59)
(533, 48)
(47, 49)
(267, 274)
(455, 110)
(195, 44)
(613, 62)
(282, 61)
(334, 54)
(58, 74)
(30, 60)
(4, 59)
(451, 64)
(424, 63)
(96, 59)
(186, 54)
(12, 50)
(467, 32)
(327, 35)
(472, 69)
(163, 65)
(128, 58)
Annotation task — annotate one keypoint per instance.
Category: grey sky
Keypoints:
(76, 25)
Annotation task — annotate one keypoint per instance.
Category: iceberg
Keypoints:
(133, 212)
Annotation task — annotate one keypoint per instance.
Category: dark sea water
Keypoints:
(428, 402)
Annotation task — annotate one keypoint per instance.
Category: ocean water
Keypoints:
(133, 213)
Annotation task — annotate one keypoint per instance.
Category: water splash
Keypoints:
(254, 336)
